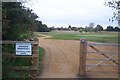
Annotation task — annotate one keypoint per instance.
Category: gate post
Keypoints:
(82, 61)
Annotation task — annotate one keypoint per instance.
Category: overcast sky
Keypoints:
(62, 13)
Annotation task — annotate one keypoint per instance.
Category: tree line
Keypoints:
(19, 22)
(98, 28)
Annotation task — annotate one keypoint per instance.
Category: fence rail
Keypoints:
(107, 65)
(99, 59)
(13, 42)
(102, 44)
(12, 55)
(114, 53)
(24, 68)
(34, 57)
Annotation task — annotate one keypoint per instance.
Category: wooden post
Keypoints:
(35, 59)
(82, 62)
(119, 54)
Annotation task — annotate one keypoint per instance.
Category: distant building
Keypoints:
(91, 25)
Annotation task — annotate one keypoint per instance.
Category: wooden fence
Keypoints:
(34, 57)
(84, 67)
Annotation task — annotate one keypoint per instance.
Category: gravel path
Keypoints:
(61, 58)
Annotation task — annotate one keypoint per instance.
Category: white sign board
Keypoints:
(23, 49)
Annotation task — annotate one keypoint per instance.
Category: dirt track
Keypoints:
(61, 58)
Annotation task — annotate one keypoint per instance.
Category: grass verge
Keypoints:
(9, 62)
(41, 55)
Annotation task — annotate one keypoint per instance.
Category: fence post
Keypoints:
(35, 59)
(82, 62)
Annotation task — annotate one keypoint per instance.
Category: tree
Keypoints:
(69, 28)
(116, 29)
(89, 29)
(45, 28)
(18, 22)
(98, 28)
(39, 25)
(81, 29)
(74, 28)
(86, 29)
(110, 28)
(115, 5)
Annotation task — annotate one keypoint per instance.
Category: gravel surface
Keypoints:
(61, 59)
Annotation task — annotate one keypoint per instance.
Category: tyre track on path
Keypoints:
(57, 64)
(61, 58)
(46, 58)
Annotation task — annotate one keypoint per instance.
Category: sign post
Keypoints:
(23, 49)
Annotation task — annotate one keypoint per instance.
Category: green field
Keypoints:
(106, 37)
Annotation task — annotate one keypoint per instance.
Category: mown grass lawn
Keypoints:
(106, 37)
